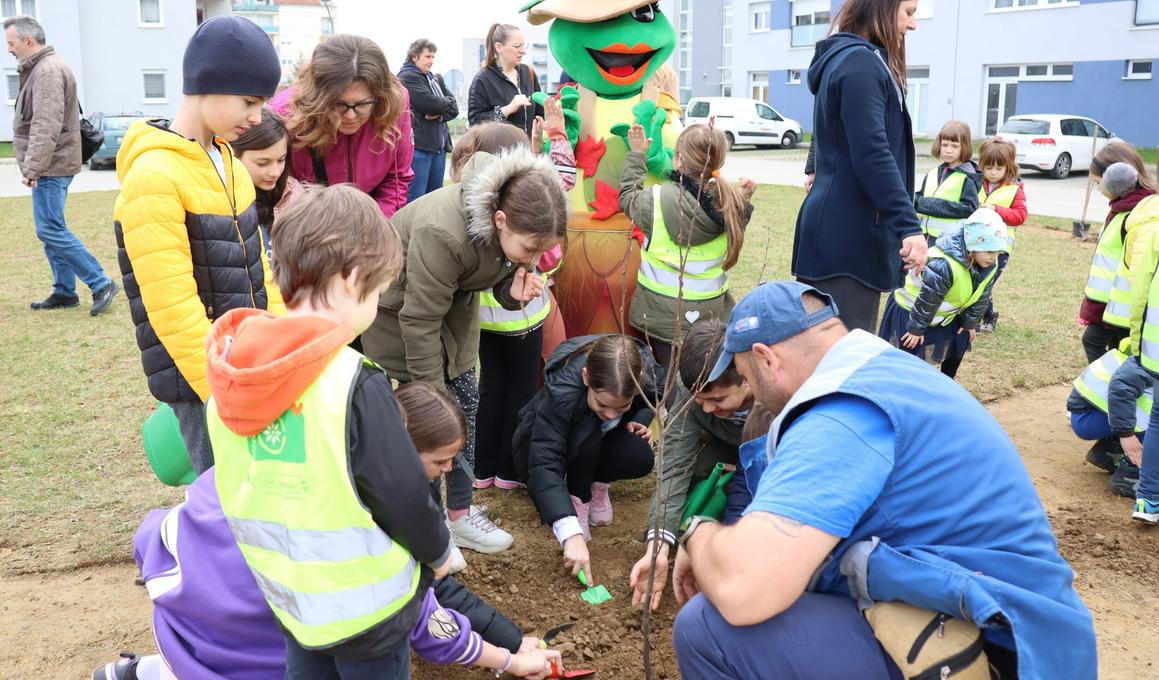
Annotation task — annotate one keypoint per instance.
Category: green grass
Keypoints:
(74, 482)
(6, 150)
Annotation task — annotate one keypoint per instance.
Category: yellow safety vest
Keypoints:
(961, 296)
(1094, 384)
(1118, 310)
(495, 318)
(326, 569)
(694, 272)
(1149, 342)
(1003, 197)
(951, 190)
(1108, 256)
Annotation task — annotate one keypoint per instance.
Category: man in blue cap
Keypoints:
(885, 481)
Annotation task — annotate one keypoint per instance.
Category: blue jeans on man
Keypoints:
(67, 256)
(428, 167)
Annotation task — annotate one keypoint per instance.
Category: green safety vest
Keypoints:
(1118, 310)
(1108, 255)
(326, 569)
(961, 296)
(1095, 385)
(495, 318)
(1002, 197)
(951, 190)
(694, 273)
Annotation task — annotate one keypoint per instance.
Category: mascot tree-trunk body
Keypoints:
(610, 48)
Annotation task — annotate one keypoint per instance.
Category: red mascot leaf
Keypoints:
(588, 153)
(607, 201)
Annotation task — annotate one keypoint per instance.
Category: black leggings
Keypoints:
(1098, 340)
(616, 455)
(510, 374)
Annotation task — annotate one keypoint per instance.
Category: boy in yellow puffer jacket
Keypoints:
(187, 231)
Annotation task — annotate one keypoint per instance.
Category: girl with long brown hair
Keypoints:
(350, 119)
(264, 150)
(682, 275)
(503, 86)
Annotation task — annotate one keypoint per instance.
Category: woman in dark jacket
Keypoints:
(860, 210)
(502, 89)
(586, 428)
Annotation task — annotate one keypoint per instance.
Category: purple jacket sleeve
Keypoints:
(391, 191)
(444, 636)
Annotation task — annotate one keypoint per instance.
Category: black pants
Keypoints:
(616, 455)
(510, 374)
(1003, 258)
(857, 303)
(1098, 340)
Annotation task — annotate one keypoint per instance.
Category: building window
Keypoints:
(1146, 12)
(759, 85)
(726, 50)
(684, 58)
(11, 8)
(12, 80)
(1035, 71)
(1139, 69)
(917, 97)
(760, 16)
(810, 22)
(149, 13)
(154, 83)
(794, 76)
(1000, 5)
(327, 26)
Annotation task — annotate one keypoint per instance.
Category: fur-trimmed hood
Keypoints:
(483, 178)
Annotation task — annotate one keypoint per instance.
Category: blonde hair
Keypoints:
(337, 63)
(702, 150)
(498, 33)
(955, 131)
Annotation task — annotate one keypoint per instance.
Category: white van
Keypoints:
(744, 121)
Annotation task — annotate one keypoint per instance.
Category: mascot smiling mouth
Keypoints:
(621, 64)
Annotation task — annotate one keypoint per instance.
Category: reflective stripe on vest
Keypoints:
(694, 273)
(1002, 197)
(1149, 346)
(951, 190)
(1118, 311)
(325, 568)
(1094, 384)
(495, 318)
(961, 296)
(1108, 254)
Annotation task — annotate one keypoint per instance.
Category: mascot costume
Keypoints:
(611, 49)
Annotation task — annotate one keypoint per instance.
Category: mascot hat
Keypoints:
(579, 11)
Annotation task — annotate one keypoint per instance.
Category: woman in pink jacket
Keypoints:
(350, 119)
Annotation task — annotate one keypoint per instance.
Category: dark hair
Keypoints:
(330, 231)
(533, 197)
(615, 366)
(433, 419)
(876, 21)
(1001, 153)
(490, 137)
(702, 150)
(498, 33)
(1121, 152)
(955, 131)
(262, 136)
(419, 46)
(759, 421)
(702, 345)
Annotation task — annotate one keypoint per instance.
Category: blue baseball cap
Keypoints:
(771, 313)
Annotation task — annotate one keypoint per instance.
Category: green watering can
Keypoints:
(165, 449)
(708, 498)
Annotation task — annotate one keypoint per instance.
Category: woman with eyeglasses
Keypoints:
(503, 87)
(350, 121)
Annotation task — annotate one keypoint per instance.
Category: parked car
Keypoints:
(1055, 144)
(745, 121)
(114, 125)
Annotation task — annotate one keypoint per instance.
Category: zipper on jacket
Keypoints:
(956, 663)
(232, 198)
(892, 80)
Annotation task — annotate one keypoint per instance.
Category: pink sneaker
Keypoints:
(483, 483)
(507, 485)
(581, 512)
(601, 512)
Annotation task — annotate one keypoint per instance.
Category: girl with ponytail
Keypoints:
(692, 232)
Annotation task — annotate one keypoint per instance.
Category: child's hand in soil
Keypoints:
(535, 664)
(576, 557)
(639, 578)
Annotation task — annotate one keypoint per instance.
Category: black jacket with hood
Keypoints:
(861, 204)
(429, 135)
(554, 425)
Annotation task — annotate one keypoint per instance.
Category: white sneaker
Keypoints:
(457, 561)
(477, 532)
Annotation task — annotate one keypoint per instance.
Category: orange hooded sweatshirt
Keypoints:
(260, 364)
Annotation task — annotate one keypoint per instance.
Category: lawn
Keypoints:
(74, 482)
(6, 150)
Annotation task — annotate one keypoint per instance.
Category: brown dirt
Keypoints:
(63, 625)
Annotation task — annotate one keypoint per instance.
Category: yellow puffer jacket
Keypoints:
(1141, 252)
(190, 250)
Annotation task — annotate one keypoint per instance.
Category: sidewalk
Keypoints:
(87, 180)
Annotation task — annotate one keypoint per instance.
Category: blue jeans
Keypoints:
(428, 167)
(820, 637)
(1149, 470)
(305, 664)
(67, 256)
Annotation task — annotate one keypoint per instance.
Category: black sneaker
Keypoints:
(56, 301)
(1105, 454)
(103, 298)
(1125, 479)
(124, 668)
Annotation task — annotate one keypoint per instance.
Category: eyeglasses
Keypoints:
(359, 108)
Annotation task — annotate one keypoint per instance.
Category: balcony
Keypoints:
(805, 35)
(255, 6)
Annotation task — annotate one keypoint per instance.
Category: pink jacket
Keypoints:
(379, 169)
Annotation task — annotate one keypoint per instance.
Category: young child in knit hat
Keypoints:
(186, 226)
(936, 316)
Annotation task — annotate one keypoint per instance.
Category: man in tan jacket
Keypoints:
(46, 138)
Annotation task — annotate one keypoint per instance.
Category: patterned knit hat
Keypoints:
(984, 231)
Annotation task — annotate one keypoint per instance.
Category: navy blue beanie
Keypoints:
(231, 55)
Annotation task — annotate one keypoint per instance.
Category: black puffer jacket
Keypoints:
(553, 426)
(485, 620)
(938, 277)
(491, 91)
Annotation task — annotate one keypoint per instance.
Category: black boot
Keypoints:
(56, 301)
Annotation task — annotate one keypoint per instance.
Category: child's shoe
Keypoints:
(1146, 511)
(582, 513)
(1105, 454)
(1125, 480)
(601, 506)
(457, 561)
(989, 323)
(124, 668)
(507, 485)
(477, 532)
(483, 483)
